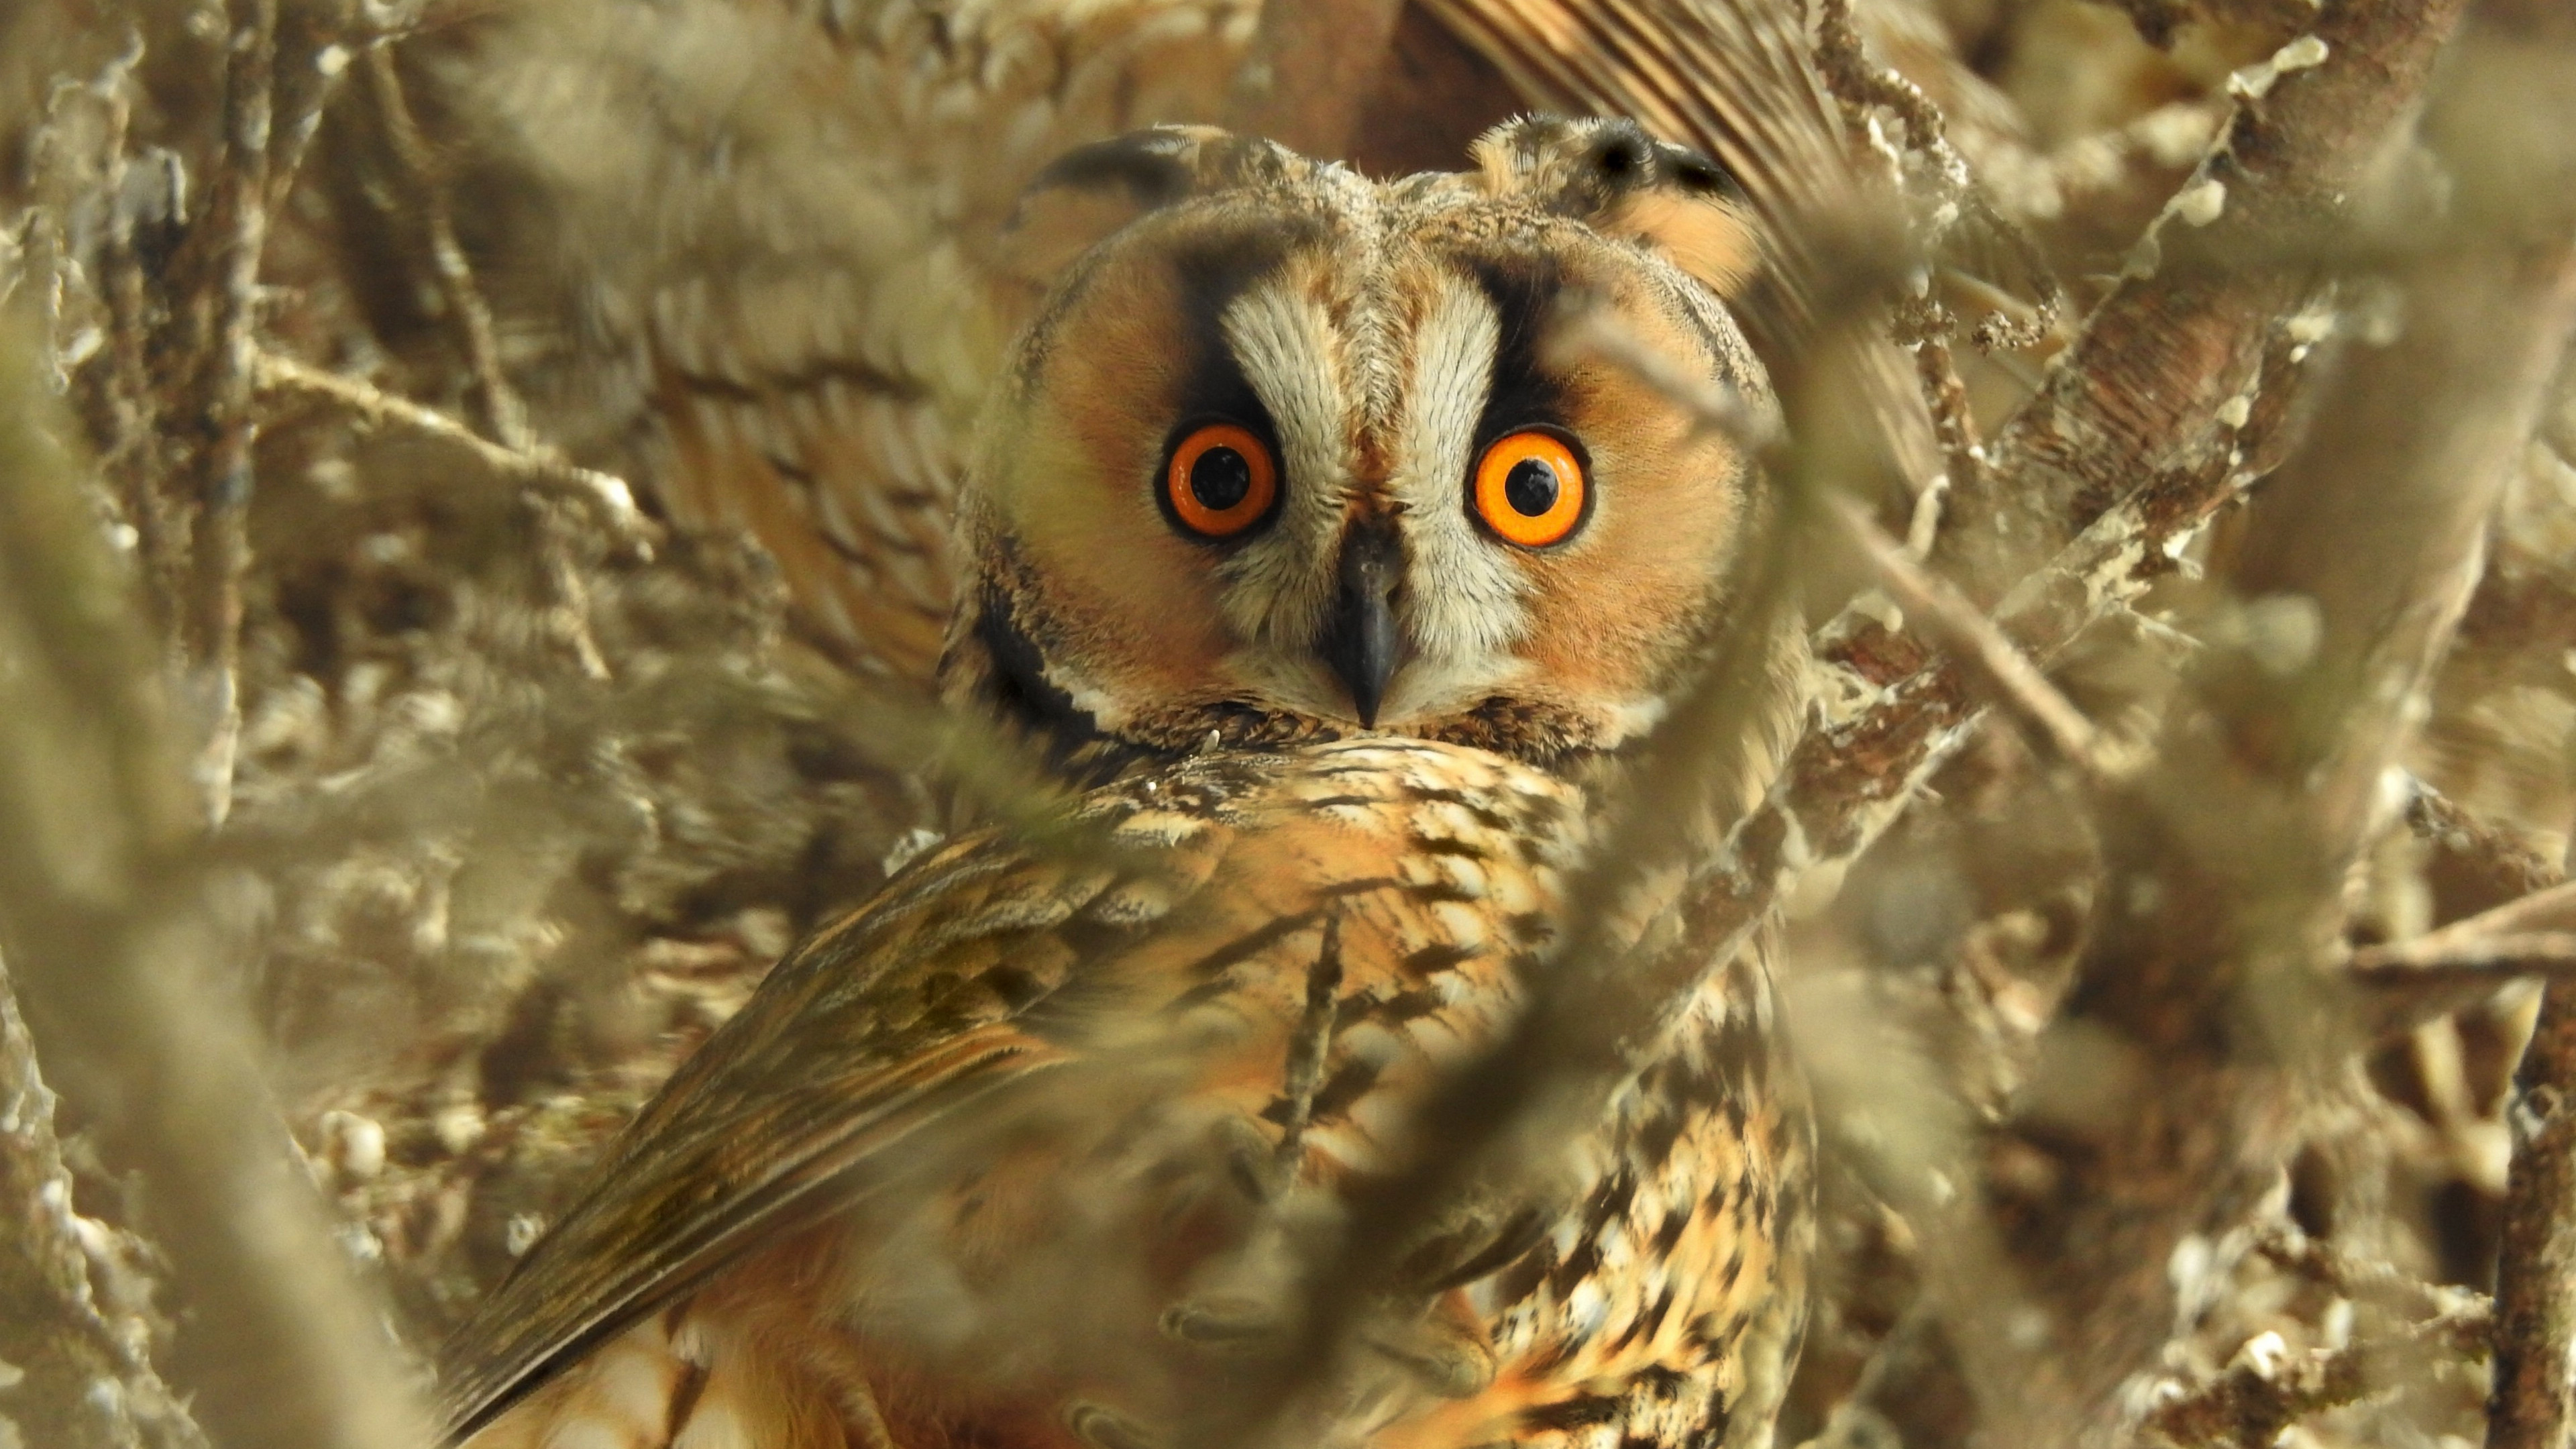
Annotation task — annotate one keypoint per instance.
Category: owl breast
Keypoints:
(1147, 1080)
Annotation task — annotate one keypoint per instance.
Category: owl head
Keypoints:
(1289, 453)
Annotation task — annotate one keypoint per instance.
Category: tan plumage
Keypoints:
(778, 228)
(1049, 1143)
(1020, 1079)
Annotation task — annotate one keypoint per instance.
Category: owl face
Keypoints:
(1291, 455)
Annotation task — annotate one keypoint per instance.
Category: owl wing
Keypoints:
(848, 1049)
(918, 1022)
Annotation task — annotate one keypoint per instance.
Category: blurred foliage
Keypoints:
(522, 805)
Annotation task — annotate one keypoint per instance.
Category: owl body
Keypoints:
(1294, 539)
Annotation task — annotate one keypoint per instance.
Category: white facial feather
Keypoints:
(1462, 602)
(1281, 583)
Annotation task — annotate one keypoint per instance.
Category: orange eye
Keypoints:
(1221, 480)
(1529, 489)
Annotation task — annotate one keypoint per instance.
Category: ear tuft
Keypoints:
(1094, 190)
(1625, 183)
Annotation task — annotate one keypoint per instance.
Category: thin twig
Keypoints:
(328, 63)
(2495, 959)
(1859, 85)
(235, 233)
(2005, 673)
(1312, 1041)
(2362, 1279)
(1926, 326)
(496, 403)
(605, 493)
(2534, 921)
(2452, 968)
(2499, 866)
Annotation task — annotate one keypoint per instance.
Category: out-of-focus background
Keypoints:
(521, 786)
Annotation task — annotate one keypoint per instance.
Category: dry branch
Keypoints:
(122, 958)
(2481, 866)
(2197, 990)
(2141, 391)
(230, 240)
(2260, 1395)
(2002, 671)
(85, 1380)
(2533, 1403)
(604, 494)
(2538, 923)
(2492, 960)
(496, 404)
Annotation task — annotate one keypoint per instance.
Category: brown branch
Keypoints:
(2495, 895)
(231, 238)
(87, 1382)
(321, 30)
(2475, 866)
(2001, 671)
(2541, 914)
(124, 967)
(2364, 1280)
(2258, 1397)
(2196, 987)
(2531, 45)
(2143, 390)
(1925, 325)
(1858, 84)
(2533, 1402)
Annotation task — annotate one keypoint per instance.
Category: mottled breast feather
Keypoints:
(1048, 1133)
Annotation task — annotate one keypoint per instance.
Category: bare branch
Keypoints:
(122, 961)
(604, 493)
(2002, 671)
(2264, 1393)
(2227, 856)
(231, 239)
(2533, 1403)
(2541, 914)
(496, 403)
(2492, 959)
(2141, 392)
(87, 1382)
(2478, 866)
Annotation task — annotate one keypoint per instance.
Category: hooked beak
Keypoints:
(1360, 640)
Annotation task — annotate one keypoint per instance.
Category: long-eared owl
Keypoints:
(1339, 589)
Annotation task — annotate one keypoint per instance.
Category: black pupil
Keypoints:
(1220, 478)
(1531, 487)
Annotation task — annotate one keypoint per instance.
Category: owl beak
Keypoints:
(1360, 640)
